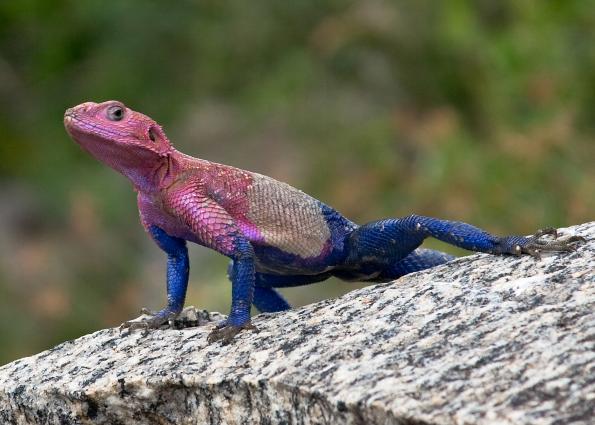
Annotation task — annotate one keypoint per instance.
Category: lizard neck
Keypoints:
(153, 176)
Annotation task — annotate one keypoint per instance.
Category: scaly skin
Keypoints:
(275, 235)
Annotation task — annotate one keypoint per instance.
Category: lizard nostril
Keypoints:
(83, 107)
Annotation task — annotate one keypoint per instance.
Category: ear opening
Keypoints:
(151, 133)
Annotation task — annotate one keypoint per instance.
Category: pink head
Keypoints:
(126, 140)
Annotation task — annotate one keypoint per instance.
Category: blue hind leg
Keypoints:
(379, 246)
(420, 259)
(266, 299)
(384, 271)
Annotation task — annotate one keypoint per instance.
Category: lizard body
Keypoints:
(274, 234)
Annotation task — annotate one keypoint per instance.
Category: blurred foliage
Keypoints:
(477, 111)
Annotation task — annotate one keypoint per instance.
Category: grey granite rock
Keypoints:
(480, 340)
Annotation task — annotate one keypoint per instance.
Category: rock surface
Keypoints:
(480, 340)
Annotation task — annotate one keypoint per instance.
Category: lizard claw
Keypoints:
(148, 312)
(154, 321)
(224, 332)
(534, 245)
(552, 231)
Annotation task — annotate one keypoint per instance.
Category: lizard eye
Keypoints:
(115, 113)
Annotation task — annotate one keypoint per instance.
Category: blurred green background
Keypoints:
(477, 111)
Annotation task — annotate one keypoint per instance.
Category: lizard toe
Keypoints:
(535, 246)
(155, 320)
(226, 333)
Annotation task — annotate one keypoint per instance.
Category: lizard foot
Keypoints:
(535, 245)
(154, 321)
(224, 332)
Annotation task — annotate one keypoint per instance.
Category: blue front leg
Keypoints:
(178, 267)
(242, 284)
(242, 276)
(177, 279)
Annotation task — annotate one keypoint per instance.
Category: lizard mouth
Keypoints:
(70, 124)
(68, 117)
(74, 123)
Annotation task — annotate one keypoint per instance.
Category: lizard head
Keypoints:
(112, 123)
(126, 140)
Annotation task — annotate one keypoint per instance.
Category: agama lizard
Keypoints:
(275, 235)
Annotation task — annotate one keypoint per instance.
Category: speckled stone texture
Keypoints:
(481, 340)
